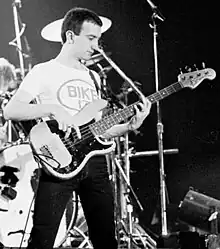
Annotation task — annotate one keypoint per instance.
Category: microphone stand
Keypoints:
(18, 34)
(123, 165)
(17, 43)
(160, 129)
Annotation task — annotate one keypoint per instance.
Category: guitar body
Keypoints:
(65, 158)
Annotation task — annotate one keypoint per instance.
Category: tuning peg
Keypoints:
(195, 66)
(203, 64)
(188, 69)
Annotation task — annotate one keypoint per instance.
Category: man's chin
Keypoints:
(87, 57)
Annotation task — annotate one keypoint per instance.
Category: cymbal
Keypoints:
(52, 31)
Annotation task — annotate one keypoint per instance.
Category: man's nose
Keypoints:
(95, 46)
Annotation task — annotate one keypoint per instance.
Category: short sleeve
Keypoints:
(32, 82)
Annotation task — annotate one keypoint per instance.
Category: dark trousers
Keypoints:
(97, 201)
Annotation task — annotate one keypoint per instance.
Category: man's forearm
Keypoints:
(24, 111)
(117, 130)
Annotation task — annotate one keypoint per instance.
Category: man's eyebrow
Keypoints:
(94, 36)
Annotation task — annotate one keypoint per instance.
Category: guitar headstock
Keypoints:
(194, 78)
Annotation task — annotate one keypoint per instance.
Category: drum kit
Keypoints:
(19, 177)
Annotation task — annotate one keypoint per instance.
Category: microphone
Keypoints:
(152, 5)
(17, 3)
(104, 71)
(157, 13)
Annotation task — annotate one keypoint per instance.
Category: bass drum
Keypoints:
(19, 174)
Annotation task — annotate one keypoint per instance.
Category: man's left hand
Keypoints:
(142, 111)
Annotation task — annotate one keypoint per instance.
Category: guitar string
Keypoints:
(87, 134)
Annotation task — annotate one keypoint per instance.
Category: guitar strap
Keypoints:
(99, 89)
(108, 109)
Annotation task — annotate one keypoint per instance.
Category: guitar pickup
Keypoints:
(46, 152)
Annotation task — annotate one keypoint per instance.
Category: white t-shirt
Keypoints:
(54, 83)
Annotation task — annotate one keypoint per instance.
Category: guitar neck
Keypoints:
(101, 126)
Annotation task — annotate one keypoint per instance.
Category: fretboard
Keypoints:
(101, 126)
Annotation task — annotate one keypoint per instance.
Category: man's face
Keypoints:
(86, 42)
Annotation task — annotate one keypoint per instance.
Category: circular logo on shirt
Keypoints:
(75, 94)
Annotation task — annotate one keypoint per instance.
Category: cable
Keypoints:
(29, 211)
(40, 159)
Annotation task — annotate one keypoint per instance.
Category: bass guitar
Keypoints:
(65, 158)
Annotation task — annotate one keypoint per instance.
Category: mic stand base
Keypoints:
(128, 231)
(138, 238)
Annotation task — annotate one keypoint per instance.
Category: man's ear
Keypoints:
(70, 36)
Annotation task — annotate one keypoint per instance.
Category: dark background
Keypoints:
(187, 37)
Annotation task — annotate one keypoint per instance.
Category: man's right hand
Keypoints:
(65, 121)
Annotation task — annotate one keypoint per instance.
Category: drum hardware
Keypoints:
(25, 58)
(16, 211)
(126, 222)
(9, 193)
(7, 126)
(9, 178)
(126, 89)
(77, 230)
(18, 33)
(133, 153)
(11, 127)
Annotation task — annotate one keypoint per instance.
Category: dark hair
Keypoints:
(74, 19)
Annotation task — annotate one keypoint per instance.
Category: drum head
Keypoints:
(16, 211)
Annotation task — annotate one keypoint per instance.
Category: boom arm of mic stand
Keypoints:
(122, 74)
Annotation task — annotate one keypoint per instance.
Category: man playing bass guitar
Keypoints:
(63, 87)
